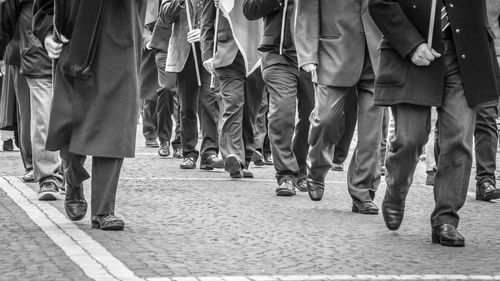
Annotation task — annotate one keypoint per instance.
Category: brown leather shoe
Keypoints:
(107, 222)
(487, 191)
(233, 167)
(315, 190)
(393, 211)
(447, 235)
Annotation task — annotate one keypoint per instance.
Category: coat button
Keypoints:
(414, 6)
(451, 5)
(463, 56)
(457, 30)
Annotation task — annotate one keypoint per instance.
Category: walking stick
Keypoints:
(193, 46)
(431, 24)
(216, 34)
(282, 34)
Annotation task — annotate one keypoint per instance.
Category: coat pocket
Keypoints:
(392, 69)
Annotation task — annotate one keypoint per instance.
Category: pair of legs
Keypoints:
(46, 163)
(289, 89)
(455, 122)
(104, 184)
(328, 127)
(241, 98)
(197, 101)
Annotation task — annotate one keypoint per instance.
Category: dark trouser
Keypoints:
(456, 126)
(21, 88)
(486, 141)
(149, 119)
(341, 149)
(167, 103)
(385, 132)
(327, 128)
(194, 101)
(288, 88)
(261, 126)
(104, 183)
(241, 98)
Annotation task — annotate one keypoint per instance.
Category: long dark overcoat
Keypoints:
(97, 116)
(405, 25)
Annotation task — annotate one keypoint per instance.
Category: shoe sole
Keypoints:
(285, 192)
(248, 176)
(337, 169)
(206, 167)
(487, 198)
(436, 240)
(48, 196)
(112, 227)
(369, 212)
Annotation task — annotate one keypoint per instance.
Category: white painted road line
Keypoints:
(95, 261)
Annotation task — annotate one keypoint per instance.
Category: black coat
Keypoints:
(405, 24)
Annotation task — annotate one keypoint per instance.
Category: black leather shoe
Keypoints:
(107, 222)
(178, 152)
(337, 167)
(75, 203)
(447, 235)
(257, 158)
(301, 184)
(246, 173)
(365, 208)
(233, 167)
(164, 150)
(392, 211)
(487, 191)
(8, 145)
(211, 162)
(152, 143)
(189, 162)
(315, 190)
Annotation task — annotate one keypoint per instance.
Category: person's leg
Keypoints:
(341, 149)
(305, 104)
(486, 141)
(46, 163)
(404, 152)
(165, 104)
(383, 142)
(105, 177)
(281, 83)
(261, 123)
(430, 151)
(149, 122)
(74, 176)
(327, 127)
(209, 114)
(177, 143)
(232, 84)
(188, 97)
(17, 83)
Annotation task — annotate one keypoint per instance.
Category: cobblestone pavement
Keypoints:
(197, 223)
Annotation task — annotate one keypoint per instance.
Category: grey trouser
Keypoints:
(351, 117)
(261, 126)
(241, 99)
(289, 90)
(455, 128)
(105, 176)
(328, 126)
(486, 141)
(46, 163)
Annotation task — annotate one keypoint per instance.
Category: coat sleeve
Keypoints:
(9, 13)
(207, 29)
(160, 38)
(170, 10)
(395, 26)
(256, 9)
(43, 15)
(307, 26)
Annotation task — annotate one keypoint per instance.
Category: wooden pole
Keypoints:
(216, 34)
(283, 22)
(193, 46)
(431, 24)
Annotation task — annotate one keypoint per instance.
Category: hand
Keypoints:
(148, 46)
(194, 36)
(54, 48)
(309, 67)
(216, 3)
(209, 66)
(423, 56)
